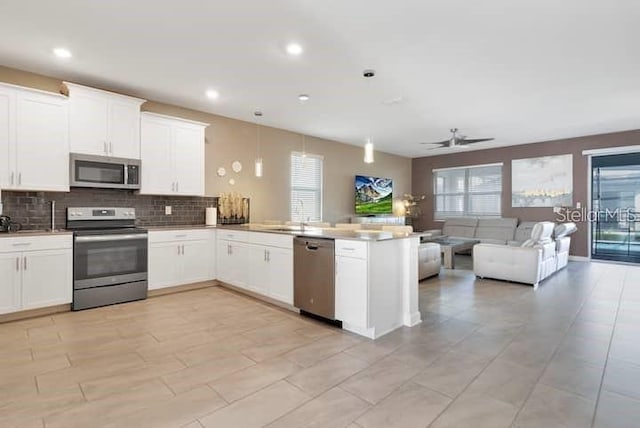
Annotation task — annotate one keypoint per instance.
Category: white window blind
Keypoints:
(306, 187)
(474, 191)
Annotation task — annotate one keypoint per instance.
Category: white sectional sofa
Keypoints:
(486, 230)
(536, 259)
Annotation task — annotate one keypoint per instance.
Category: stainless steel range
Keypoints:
(109, 257)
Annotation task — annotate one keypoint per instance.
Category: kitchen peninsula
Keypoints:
(376, 278)
(376, 272)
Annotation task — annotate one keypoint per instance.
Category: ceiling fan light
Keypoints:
(368, 152)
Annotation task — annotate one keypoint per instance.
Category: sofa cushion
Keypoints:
(499, 230)
(564, 229)
(493, 241)
(463, 227)
(523, 231)
(540, 234)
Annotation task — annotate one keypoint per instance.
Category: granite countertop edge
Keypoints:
(31, 233)
(366, 236)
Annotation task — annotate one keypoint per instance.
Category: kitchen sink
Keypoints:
(288, 229)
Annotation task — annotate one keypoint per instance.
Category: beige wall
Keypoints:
(230, 139)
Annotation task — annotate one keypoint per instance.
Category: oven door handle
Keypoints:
(107, 238)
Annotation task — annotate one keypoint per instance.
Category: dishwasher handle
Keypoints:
(311, 247)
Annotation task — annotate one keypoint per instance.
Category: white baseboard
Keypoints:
(362, 331)
(579, 259)
(412, 319)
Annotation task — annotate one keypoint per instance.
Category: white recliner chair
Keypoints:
(562, 237)
(428, 260)
(530, 263)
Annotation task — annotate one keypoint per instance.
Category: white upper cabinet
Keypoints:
(156, 172)
(7, 126)
(34, 140)
(103, 123)
(172, 156)
(189, 159)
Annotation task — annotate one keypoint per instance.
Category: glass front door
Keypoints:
(615, 192)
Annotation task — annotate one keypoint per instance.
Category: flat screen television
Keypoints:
(374, 195)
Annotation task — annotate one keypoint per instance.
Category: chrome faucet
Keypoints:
(300, 212)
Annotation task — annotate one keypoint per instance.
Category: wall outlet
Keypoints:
(578, 205)
(167, 210)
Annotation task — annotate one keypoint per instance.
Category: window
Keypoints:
(474, 191)
(306, 187)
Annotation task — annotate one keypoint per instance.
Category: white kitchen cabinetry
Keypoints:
(351, 292)
(36, 271)
(259, 262)
(232, 263)
(280, 274)
(104, 123)
(172, 153)
(11, 282)
(272, 272)
(34, 140)
(180, 257)
(376, 285)
(46, 278)
(164, 264)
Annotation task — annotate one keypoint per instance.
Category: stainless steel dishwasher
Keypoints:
(314, 276)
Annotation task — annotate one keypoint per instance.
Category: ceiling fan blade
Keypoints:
(473, 140)
(441, 143)
(439, 146)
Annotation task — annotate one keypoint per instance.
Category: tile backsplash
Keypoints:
(33, 209)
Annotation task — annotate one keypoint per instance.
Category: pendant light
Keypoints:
(368, 147)
(258, 170)
(368, 151)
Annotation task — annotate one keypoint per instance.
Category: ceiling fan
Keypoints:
(456, 140)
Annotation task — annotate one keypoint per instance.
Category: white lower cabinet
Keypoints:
(353, 285)
(259, 262)
(164, 266)
(180, 257)
(36, 272)
(196, 259)
(232, 263)
(280, 261)
(351, 291)
(11, 282)
(46, 278)
(260, 275)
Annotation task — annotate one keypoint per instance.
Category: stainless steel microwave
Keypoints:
(104, 172)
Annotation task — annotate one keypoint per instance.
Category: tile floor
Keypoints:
(488, 354)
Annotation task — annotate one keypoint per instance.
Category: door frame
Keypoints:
(600, 152)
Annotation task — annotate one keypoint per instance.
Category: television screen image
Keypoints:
(374, 195)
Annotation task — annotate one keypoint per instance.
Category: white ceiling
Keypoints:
(520, 71)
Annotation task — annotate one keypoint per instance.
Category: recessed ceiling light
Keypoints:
(303, 97)
(294, 49)
(62, 53)
(212, 94)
